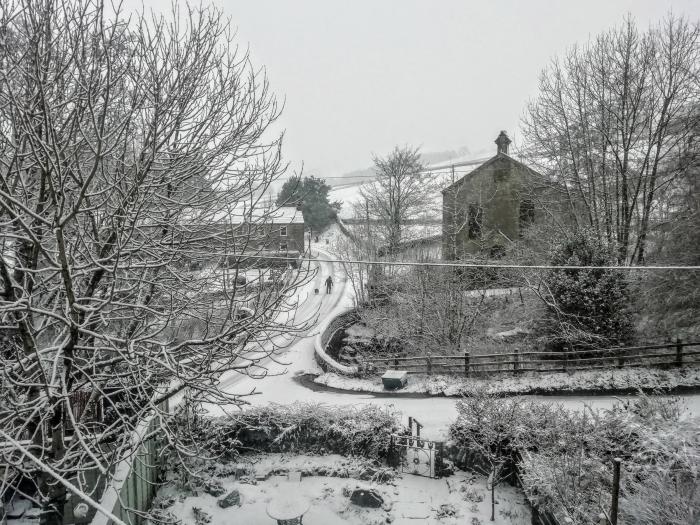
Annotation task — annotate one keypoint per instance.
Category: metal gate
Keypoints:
(421, 457)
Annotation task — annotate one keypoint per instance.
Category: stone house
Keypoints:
(249, 236)
(278, 230)
(486, 212)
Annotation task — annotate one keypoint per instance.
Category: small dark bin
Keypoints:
(393, 379)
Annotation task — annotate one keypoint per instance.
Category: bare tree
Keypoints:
(611, 121)
(355, 248)
(429, 310)
(401, 191)
(489, 426)
(131, 151)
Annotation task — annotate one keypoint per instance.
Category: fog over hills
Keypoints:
(437, 157)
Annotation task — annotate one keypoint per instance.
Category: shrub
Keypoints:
(302, 428)
(586, 307)
(567, 456)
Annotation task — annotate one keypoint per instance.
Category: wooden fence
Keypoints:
(134, 480)
(661, 355)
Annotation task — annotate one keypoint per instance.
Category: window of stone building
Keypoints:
(283, 231)
(283, 247)
(476, 215)
(527, 215)
(497, 251)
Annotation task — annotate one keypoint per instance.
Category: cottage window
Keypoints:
(527, 215)
(283, 247)
(283, 231)
(476, 216)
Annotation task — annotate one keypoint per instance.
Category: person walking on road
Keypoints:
(329, 284)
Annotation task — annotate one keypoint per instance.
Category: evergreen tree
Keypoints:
(586, 307)
(312, 194)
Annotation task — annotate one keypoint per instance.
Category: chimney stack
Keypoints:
(502, 142)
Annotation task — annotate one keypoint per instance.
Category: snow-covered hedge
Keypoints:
(567, 457)
(363, 430)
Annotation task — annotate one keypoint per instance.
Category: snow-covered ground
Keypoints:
(280, 386)
(588, 380)
(407, 499)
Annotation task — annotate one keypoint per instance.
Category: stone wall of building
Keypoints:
(481, 213)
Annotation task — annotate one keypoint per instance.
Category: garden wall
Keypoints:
(345, 230)
(328, 330)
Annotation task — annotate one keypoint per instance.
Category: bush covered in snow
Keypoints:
(586, 307)
(488, 425)
(567, 457)
(302, 428)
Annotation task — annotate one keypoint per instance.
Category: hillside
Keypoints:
(430, 158)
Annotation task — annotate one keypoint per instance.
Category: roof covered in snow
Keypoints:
(242, 214)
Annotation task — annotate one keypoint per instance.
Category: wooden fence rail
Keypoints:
(662, 355)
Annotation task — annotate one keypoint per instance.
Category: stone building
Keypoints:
(279, 229)
(249, 236)
(486, 212)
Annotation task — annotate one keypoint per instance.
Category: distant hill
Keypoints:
(366, 174)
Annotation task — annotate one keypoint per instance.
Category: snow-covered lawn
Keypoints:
(459, 499)
(582, 381)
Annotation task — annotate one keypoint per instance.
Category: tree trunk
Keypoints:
(493, 496)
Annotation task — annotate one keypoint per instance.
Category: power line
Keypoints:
(444, 168)
(483, 265)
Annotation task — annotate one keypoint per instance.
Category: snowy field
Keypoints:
(350, 195)
(441, 173)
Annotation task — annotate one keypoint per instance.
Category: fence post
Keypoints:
(466, 364)
(396, 360)
(679, 351)
(620, 358)
(516, 361)
(615, 490)
(391, 455)
(439, 459)
(428, 364)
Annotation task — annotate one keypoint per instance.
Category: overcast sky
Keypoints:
(362, 76)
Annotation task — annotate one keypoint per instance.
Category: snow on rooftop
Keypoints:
(241, 214)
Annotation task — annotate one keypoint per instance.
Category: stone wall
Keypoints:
(325, 361)
(494, 188)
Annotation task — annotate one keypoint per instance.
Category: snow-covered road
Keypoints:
(297, 358)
